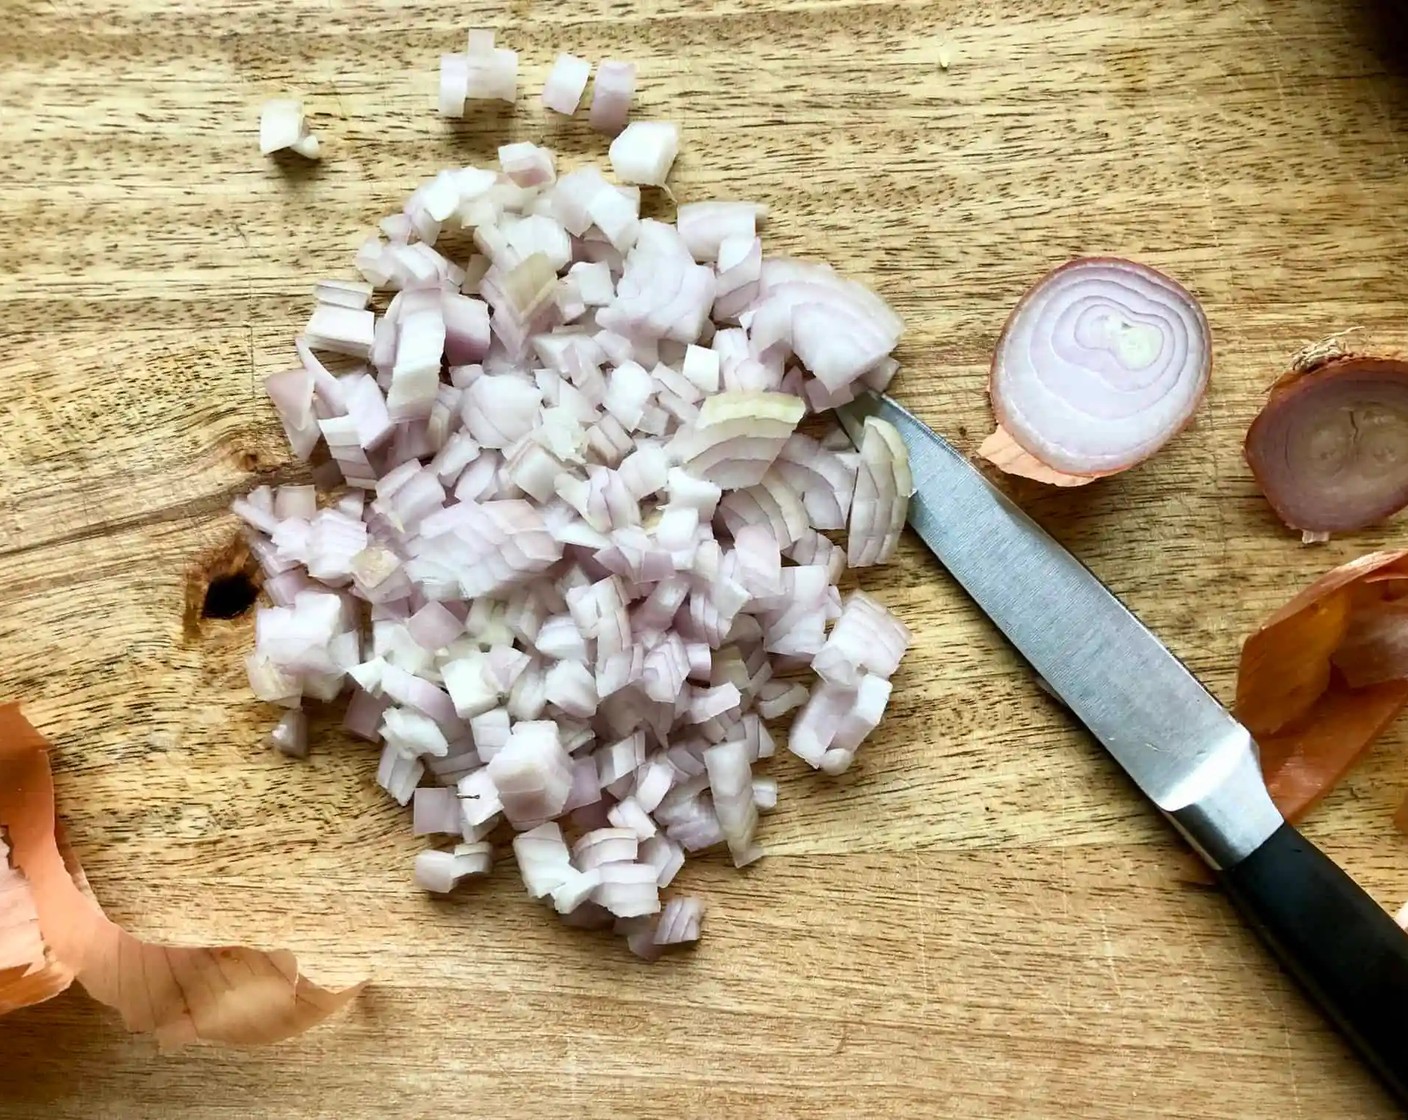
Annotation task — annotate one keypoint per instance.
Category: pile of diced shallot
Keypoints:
(573, 550)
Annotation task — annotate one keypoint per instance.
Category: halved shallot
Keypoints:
(1329, 448)
(1101, 363)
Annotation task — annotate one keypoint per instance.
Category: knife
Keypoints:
(1183, 749)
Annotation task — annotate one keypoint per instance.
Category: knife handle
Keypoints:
(1336, 940)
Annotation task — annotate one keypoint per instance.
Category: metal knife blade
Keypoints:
(1181, 747)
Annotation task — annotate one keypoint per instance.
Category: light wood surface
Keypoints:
(981, 919)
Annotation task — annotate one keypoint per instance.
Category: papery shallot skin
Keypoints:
(1324, 676)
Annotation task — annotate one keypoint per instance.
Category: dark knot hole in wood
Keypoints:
(229, 596)
(224, 584)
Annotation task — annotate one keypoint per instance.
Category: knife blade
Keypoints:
(1182, 748)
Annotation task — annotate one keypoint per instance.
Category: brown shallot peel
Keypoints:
(1329, 449)
(1325, 675)
(52, 932)
(1101, 363)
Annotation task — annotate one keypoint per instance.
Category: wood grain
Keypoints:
(981, 919)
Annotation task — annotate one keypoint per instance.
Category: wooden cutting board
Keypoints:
(981, 919)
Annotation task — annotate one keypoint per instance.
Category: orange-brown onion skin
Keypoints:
(1311, 726)
(1329, 449)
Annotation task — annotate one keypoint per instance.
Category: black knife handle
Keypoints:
(1336, 940)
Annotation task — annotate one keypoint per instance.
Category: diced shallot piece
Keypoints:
(777, 698)
(282, 126)
(454, 84)
(345, 293)
(290, 735)
(666, 856)
(627, 813)
(628, 890)
(543, 859)
(479, 798)
(441, 872)
(527, 164)
(532, 773)
(399, 774)
(706, 225)
(645, 151)
(737, 436)
(867, 638)
(883, 488)
(836, 327)
(435, 809)
(832, 724)
(679, 921)
(412, 733)
(611, 98)
(765, 794)
(342, 330)
(572, 687)
(492, 72)
(605, 845)
(731, 783)
(567, 81)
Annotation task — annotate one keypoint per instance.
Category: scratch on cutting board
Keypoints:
(1068, 978)
(249, 319)
(1201, 165)
(1291, 1062)
(1109, 947)
(1041, 995)
(1261, 23)
(1241, 944)
(572, 1070)
(1387, 118)
(508, 1074)
(921, 912)
(1193, 935)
